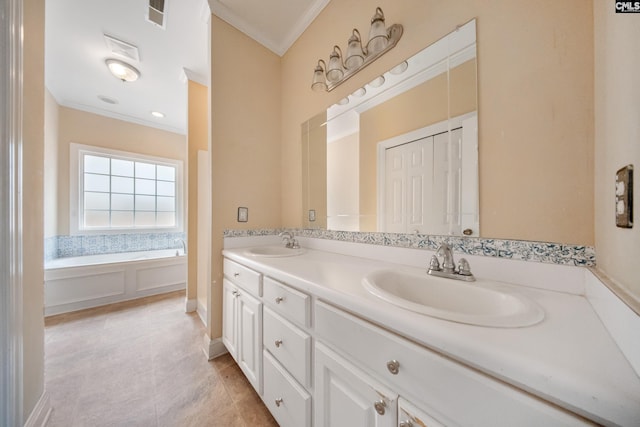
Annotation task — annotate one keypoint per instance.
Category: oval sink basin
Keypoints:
(273, 251)
(482, 303)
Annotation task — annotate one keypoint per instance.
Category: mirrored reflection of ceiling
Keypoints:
(76, 50)
(81, 34)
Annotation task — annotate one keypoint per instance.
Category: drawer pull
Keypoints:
(279, 402)
(236, 274)
(393, 366)
(405, 424)
(279, 300)
(380, 407)
(278, 343)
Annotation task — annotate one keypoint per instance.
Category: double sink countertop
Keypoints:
(568, 359)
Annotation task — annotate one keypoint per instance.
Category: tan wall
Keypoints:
(51, 113)
(197, 139)
(617, 140)
(245, 142)
(33, 202)
(90, 129)
(535, 84)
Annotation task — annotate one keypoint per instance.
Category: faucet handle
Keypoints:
(434, 265)
(464, 269)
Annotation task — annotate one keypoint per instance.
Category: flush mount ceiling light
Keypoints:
(122, 70)
(381, 40)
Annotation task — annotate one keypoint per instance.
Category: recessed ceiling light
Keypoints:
(157, 114)
(108, 100)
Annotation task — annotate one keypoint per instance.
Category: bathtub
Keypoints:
(77, 283)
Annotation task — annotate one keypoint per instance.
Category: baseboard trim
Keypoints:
(202, 313)
(190, 305)
(41, 412)
(213, 348)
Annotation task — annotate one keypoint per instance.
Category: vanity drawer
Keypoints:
(289, 345)
(461, 394)
(242, 276)
(289, 403)
(292, 304)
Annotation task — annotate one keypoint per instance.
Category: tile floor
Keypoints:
(140, 363)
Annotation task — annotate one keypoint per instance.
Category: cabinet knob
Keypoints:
(234, 293)
(380, 407)
(406, 423)
(393, 366)
(278, 343)
(279, 402)
(279, 300)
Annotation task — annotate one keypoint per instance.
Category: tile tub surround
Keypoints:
(97, 244)
(544, 252)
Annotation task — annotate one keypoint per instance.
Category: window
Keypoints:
(124, 191)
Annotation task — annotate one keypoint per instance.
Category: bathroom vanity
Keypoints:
(322, 350)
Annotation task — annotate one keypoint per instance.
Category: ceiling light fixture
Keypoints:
(157, 114)
(381, 40)
(122, 70)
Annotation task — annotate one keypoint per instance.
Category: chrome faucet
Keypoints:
(184, 246)
(289, 240)
(448, 268)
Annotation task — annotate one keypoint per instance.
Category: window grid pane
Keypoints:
(123, 193)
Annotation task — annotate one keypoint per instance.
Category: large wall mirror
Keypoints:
(400, 154)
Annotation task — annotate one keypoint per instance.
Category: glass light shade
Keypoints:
(355, 54)
(122, 70)
(378, 38)
(319, 83)
(335, 70)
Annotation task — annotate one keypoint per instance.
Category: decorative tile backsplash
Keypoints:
(551, 253)
(70, 246)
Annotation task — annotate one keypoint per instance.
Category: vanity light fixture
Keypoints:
(381, 40)
(122, 70)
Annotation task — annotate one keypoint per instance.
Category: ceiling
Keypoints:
(76, 50)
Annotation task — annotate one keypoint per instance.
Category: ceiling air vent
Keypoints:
(121, 48)
(156, 13)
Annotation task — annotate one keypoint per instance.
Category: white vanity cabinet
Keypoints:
(242, 320)
(315, 364)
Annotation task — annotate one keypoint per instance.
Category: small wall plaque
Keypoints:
(243, 214)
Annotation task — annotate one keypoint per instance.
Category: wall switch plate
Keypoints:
(624, 197)
(243, 214)
(312, 215)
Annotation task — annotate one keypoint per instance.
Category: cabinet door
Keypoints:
(250, 338)
(229, 316)
(410, 416)
(345, 396)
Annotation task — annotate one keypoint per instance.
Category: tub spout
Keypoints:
(184, 246)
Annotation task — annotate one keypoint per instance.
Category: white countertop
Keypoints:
(568, 359)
